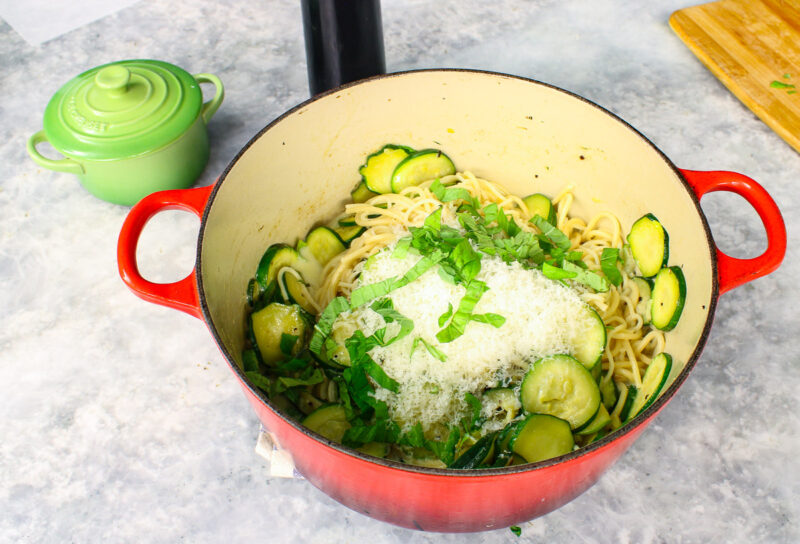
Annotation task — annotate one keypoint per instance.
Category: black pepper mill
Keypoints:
(344, 41)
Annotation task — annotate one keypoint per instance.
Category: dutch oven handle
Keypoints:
(735, 272)
(181, 295)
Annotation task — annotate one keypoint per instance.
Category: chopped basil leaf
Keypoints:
(377, 373)
(608, 263)
(475, 405)
(360, 433)
(494, 320)
(587, 277)
(555, 236)
(516, 530)
(433, 350)
(401, 248)
(262, 382)
(250, 360)
(287, 343)
(316, 377)
(325, 324)
(415, 437)
(445, 316)
(365, 293)
(434, 220)
(556, 273)
(459, 321)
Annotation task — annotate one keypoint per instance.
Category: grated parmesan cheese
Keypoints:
(542, 318)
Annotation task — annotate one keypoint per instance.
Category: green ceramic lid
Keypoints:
(122, 109)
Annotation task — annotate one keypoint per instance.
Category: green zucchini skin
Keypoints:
(479, 454)
(275, 257)
(348, 233)
(629, 398)
(537, 426)
(539, 204)
(589, 346)
(649, 242)
(324, 244)
(293, 287)
(668, 298)
(329, 421)
(543, 392)
(601, 419)
(270, 323)
(378, 169)
(653, 382)
(362, 193)
(542, 436)
(421, 166)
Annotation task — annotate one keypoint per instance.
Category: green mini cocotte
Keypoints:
(129, 128)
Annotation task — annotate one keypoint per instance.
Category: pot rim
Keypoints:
(627, 428)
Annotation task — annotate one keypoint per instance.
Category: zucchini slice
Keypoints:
(361, 193)
(668, 298)
(254, 291)
(378, 169)
(323, 244)
(649, 244)
(653, 381)
(598, 422)
(589, 343)
(328, 420)
(296, 291)
(541, 437)
(275, 257)
(608, 392)
(348, 220)
(645, 292)
(630, 395)
(421, 166)
(375, 449)
(561, 386)
(270, 323)
(541, 205)
(479, 454)
(349, 233)
(501, 404)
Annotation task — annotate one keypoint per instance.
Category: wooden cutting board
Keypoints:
(753, 47)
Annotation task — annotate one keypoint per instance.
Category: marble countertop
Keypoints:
(120, 421)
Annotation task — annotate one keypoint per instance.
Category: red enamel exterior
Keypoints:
(735, 272)
(437, 499)
(467, 502)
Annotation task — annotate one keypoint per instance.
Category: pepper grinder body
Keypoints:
(344, 41)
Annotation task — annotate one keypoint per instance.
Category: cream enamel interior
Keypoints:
(528, 136)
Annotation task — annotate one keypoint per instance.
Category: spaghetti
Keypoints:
(387, 217)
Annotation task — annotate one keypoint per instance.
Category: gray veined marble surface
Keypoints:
(119, 419)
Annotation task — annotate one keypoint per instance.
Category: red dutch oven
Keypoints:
(528, 136)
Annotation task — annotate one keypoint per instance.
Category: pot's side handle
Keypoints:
(735, 272)
(67, 165)
(181, 295)
(211, 107)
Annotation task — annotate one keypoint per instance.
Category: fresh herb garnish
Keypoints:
(516, 530)
(287, 343)
(608, 264)
(456, 254)
(551, 233)
(433, 350)
(324, 325)
(460, 319)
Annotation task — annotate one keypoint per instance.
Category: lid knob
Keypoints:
(113, 79)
